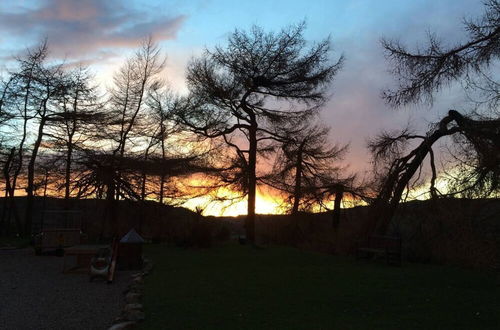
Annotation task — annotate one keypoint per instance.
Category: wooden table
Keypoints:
(83, 254)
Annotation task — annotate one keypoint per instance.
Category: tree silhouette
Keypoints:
(163, 105)
(306, 166)
(17, 103)
(422, 73)
(244, 91)
(132, 82)
(37, 85)
(79, 111)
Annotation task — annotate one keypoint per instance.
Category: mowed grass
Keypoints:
(241, 287)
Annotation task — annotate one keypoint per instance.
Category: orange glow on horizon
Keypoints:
(268, 201)
(210, 200)
(264, 204)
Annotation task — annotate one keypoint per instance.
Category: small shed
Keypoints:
(130, 251)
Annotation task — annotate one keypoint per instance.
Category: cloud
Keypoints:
(82, 28)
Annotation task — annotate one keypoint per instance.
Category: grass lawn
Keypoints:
(240, 287)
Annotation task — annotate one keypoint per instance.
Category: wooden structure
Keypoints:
(114, 256)
(58, 229)
(130, 251)
(57, 238)
(83, 255)
(387, 247)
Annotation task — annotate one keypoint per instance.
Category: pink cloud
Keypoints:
(78, 29)
(71, 11)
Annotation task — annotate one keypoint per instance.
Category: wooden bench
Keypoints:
(377, 246)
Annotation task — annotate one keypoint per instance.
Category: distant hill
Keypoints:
(457, 231)
(150, 218)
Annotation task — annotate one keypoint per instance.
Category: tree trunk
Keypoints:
(162, 178)
(31, 179)
(12, 192)
(143, 175)
(13, 210)
(71, 132)
(388, 200)
(252, 183)
(44, 204)
(6, 175)
(336, 207)
(110, 201)
(143, 186)
(162, 184)
(3, 223)
(297, 193)
(68, 170)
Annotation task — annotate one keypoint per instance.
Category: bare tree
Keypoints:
(163, 105)
(51, 85)
(306, 166)
(242, 92)
(5, 115)
(39, 92)
(7, 157)
(420, 74)
(78, 110)
(483, 136)
(132, 82)
(21, 100)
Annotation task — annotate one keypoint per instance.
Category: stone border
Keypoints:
(133, 311)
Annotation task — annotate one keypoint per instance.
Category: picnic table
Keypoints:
(388, 247)
(83, 254)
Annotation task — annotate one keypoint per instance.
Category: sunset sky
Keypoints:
(101, 33)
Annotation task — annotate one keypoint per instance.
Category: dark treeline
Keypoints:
(61, 134)
(255, 99)
(64, 136)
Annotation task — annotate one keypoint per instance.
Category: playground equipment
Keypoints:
(57, 230)
(130, 251)
(100, 264)
(112, 267)
(101, 260)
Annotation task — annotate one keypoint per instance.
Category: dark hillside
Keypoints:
(456, 231)
(150, 218)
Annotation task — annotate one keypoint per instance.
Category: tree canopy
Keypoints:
(247, 92)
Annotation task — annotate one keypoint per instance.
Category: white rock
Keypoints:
(123, 325)
(130, 307)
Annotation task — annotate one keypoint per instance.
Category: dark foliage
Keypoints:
(245, 92)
